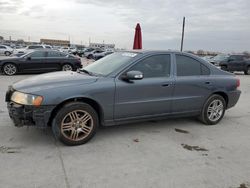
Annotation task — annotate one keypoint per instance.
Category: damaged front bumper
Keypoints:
(23, 115)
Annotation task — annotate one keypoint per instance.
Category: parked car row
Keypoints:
(22, 51)
(40, 61)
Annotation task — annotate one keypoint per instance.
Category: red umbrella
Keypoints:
(138, 38)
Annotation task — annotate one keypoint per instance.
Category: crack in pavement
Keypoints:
(66, 179)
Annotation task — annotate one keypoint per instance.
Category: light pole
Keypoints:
(182, 36)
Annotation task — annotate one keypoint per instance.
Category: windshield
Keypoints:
(110, 63)
(26, 54)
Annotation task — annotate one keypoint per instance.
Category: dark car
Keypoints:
(40, 61)
(121, 88)
(218, 58)
(236, 63)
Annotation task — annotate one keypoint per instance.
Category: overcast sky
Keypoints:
(215, 25)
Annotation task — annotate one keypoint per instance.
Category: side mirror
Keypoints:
(29, 58)
(230, 60)
(133, 75)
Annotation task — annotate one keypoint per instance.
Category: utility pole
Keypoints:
(182, 36)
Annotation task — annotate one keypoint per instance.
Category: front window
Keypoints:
(37, 54)
(154, 66)
(110, 63)
(54, 54)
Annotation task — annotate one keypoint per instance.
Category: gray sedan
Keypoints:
(121, 88)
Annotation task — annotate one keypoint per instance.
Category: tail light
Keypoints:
(238, 82)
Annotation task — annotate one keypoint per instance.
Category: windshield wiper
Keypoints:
(85, 71)
(89, 73)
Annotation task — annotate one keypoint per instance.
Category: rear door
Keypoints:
(54, 60)
(192, 86)
(150, 96)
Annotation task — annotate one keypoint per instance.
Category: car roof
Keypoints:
(156, 51)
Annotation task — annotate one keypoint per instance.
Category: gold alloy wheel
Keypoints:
(77, 125)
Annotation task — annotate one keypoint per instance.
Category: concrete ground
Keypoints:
(149, 154)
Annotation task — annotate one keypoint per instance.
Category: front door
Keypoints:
(34, 62)
(147, 97)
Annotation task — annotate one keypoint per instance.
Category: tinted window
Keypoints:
(187, 66)
(37, 54)
(236, 57)
(154, 66)
(48, 47)
(54, 54)
(34, 47)
(2, 47)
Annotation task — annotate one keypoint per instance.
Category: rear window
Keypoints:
(187, 66)
(35, 47)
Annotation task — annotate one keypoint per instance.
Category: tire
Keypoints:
(67, 67)
(90, 56)
(9, 69)
(7, 53)
(68, 126)
(213, 110)
(247, 72)
(223, 67)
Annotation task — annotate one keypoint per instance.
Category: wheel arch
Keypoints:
(9, 62)
(97, 107)
(68, 63)
(223, 94)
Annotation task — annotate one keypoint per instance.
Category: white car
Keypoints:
(68, 50)
(100, 54)
(29, 48)
(6, 50)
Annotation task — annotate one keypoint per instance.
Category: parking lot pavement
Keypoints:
(171, 153)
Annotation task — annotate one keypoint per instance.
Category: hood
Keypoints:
(53, 80)
(13, 58)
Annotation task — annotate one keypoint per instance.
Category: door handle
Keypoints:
(207, 82)
(165, 85)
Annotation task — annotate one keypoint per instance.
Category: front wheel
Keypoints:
(76, 123)
(213, 110)
(67, 67)
(9, 69)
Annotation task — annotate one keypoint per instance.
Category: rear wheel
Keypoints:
(213, 110)
(67, 67)
(76, 123)
(7, 53)
(247, 72)
(9, 69)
